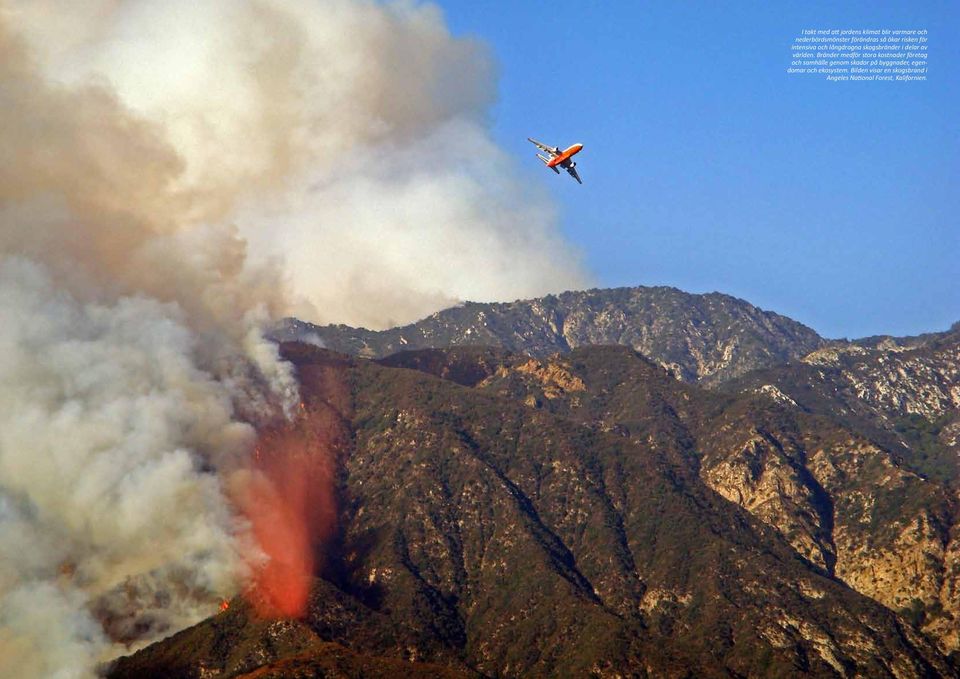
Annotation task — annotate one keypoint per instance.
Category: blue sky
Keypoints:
(707, 167)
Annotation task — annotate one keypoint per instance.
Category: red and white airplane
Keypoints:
(558, 158)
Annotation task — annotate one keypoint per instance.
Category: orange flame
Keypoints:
(224, 605)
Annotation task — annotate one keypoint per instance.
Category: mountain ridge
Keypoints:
(559, 519)
(702, 337)
(543, 498)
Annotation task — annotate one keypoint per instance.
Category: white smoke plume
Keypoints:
(354, 134)
(173, 176)
(107, 420)
(131, 361)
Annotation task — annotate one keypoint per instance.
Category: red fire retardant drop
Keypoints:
(290, 505)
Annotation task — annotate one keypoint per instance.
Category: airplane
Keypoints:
(558, 158)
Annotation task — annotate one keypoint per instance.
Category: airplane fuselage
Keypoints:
(565, 156)
(556, 159)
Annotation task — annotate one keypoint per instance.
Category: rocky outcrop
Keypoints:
(904, 395)
(554, 377)
(772, 484)
(895, 381)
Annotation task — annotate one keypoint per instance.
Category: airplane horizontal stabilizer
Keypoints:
(546, 161)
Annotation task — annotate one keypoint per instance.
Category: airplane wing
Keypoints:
(573, 173)
(543, 147)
